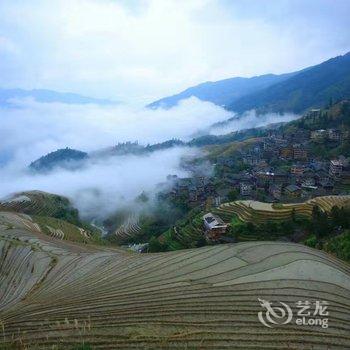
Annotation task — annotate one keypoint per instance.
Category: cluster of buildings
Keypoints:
(266, 176)
(282, 167)
(278, 167)
(304, 178)
(329, 134)
(195, 190)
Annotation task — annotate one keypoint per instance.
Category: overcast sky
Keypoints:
(141, 50)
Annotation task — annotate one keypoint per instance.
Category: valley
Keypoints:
(215, 218)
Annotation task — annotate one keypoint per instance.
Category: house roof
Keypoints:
(213, 220)
(292, 188)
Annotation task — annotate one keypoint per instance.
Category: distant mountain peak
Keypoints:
(310, 88)
(291, 92)
(48, 96)
(222, 92)
(64, 158)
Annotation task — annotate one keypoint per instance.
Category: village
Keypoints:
(279, 167)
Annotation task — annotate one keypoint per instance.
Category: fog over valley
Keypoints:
(101, 186)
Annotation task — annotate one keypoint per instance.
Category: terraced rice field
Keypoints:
(190, 233)
(45, 225)
(258, 212)
(34, 203)
(130, 228)
(62, 229)
(58, 294)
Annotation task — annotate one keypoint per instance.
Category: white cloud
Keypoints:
(101, 187)
(251, 120)
(141, 50)
(34, 129)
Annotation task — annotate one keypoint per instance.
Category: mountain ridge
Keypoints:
(223, 91)
(48, 96)
(311, 87)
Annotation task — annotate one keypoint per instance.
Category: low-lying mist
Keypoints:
(251, 120)
(33, 129)
(101, 187)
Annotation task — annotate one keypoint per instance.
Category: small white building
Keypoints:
(214, 226)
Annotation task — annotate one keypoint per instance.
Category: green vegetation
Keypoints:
(222, 92)
(55, 216)
(186, 233)
(241, 135)
(43, 204)
(53, 227)
(298, 91)
(269, 231)
(66, 157)
(339, 246)
(230, 149)
(330, 232)
(310, 88)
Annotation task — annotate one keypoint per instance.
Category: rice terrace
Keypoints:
(253, 211)
(174, 174)
(60, 294)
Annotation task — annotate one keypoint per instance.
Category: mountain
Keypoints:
(222, 92)
(64, 158)
(47, 96)
(310, 88)
(72, 159)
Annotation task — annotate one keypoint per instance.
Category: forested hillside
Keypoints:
(222, 92)
(311, 88)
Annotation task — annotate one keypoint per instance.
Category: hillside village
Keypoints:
(302, 177)
(291, 163)
(284, 165)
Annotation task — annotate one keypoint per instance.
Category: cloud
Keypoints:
(143, 50)
(33, 129)
(102, 187)
(251, 120)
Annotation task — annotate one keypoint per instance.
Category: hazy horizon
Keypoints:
(139, 51)
(136, 52)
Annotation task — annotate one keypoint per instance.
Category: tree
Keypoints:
(155, 246)
(294, 217)
(320, 223)
(142, 198)
(232, 195)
